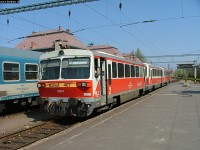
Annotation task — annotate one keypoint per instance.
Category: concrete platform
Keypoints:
(168, 119)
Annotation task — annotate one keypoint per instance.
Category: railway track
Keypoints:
(28, 136)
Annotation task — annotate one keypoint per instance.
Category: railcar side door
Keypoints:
(109, 81)
(103, 77)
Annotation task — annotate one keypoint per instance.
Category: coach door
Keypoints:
(103, 79)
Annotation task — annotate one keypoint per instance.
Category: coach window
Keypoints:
(96, 68)
(109, 74)
(10, 71)
(137, 71)
(145, 72)
(127, 70)
(141, 71)
(114, 69)
(120, 70)
(31, 71)
(132, 71)
(153, 72)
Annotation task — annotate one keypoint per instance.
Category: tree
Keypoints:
(139, 55)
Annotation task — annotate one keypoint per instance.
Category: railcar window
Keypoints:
(11, 71)
(127, 70)
(50, 69)
(141, 71)
(114, 69)
(154, 73)
(75, 68)
(137, 71)
(145, 71)
(132, 71)
(31, 71)
(109, 74)
(120, 70)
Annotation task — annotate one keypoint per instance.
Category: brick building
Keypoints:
(46, 41)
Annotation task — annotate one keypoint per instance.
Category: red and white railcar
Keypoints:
(166, 77)
(77, 82)
(153, 78)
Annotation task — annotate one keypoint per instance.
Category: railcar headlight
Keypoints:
(40, 85)
(61, 52)
(82, 84)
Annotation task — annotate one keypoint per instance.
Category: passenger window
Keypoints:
(137, 71)
(31, 71)
(114, 69)
(141, 71)
(132, 71)
(109, 74)
(11, 71)
(127, 70)
(120, 70)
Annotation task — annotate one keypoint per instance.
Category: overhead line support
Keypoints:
(44, 5)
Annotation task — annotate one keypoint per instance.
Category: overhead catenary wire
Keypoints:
(130, 34)
(32, 22)
(114, 24)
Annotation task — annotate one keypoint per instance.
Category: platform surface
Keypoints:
(168, 119)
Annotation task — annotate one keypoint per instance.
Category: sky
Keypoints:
(156, 27)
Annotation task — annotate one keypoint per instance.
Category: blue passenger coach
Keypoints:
(18, 77)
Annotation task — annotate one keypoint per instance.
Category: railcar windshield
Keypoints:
(50, 69)
(75, 68)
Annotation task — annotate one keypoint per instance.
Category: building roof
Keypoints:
(46, 40)
(105, 48)
(112, 50)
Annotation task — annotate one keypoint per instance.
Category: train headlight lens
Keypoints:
(40, 85)
(81, 84)
(61, 52)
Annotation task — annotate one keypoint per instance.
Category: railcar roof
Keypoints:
(5, 51)
(85, 51)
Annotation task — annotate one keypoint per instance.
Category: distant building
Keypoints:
(105, 48)
(52, 39)
(46, 41)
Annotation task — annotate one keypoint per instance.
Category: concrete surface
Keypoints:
(168, 119)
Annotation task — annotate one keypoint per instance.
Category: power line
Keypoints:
(167, 62)
(139, 30)
(182, 55)
(130, 34)
(157, 20)
(29, 21)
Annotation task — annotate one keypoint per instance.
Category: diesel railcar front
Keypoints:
(77, 82)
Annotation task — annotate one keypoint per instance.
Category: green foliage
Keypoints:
(189, 73)
(138, 53)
